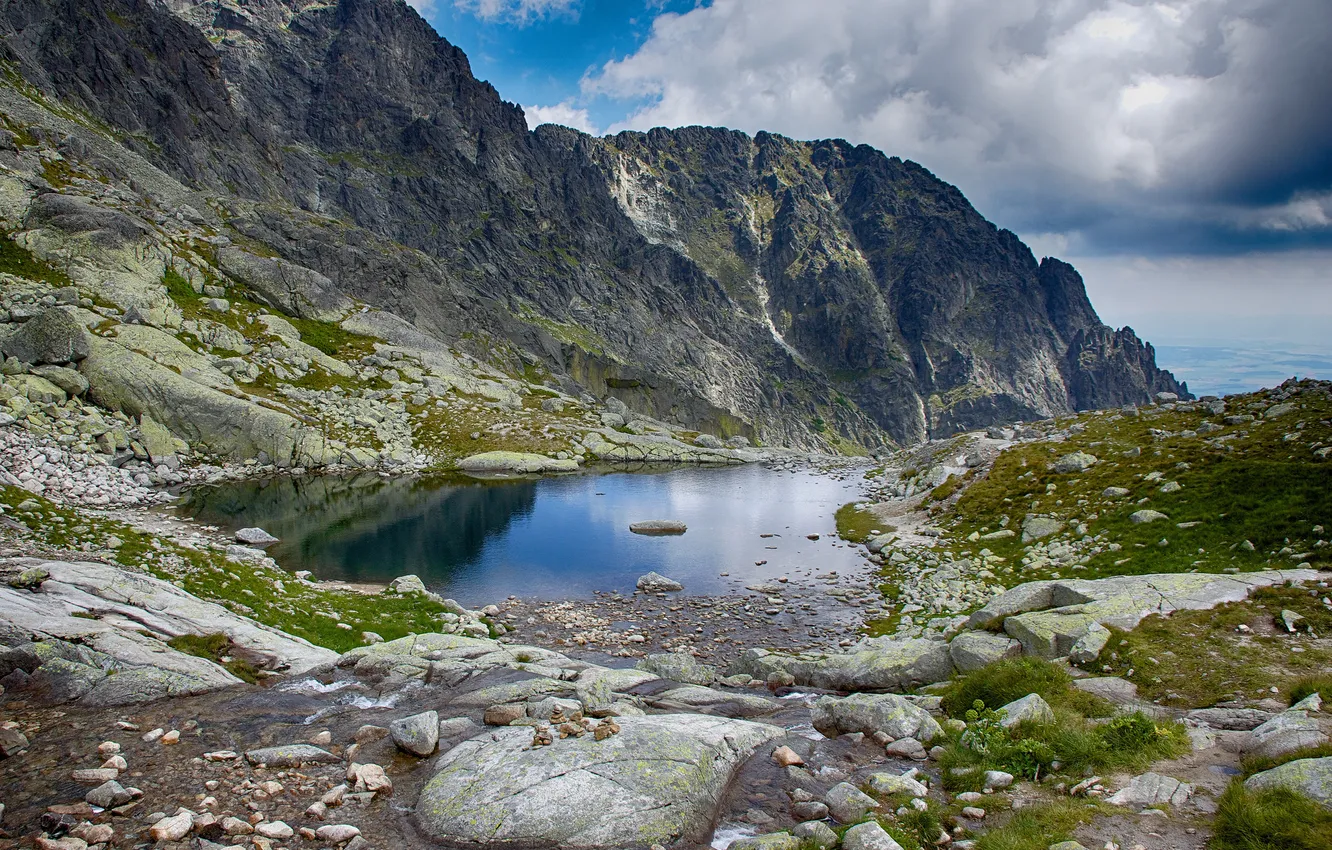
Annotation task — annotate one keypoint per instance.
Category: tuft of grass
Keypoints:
(217, 648)
(1320, 684)
(1037, 827)
(1269, 819)
(854, 523)
(1003, 681)
(332, 339)
(1257, 764)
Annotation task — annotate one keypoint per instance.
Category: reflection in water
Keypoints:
(480, 541)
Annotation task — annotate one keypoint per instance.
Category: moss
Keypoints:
(1001, 682)
(332, 339)
(1037, 827)
(217, 648)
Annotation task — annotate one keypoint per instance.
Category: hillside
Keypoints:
(807, 294)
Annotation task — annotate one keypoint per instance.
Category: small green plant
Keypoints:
(1037, 827)
(856, 525)
(216, 648)
(1003, 681)
(20, 262)
(1270, 819)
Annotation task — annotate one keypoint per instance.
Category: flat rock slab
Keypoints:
(659, 527)
(660, 779)
(291, 755)
(876, 664)
(519, 462)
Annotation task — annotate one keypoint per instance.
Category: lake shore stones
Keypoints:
(659, 780)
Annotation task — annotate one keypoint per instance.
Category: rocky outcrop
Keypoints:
(1061, 617)
(876, 664)
(1310, 777)
(800, 292)
(658, 780)
(519, 462)
(123, 380)
(127, 617)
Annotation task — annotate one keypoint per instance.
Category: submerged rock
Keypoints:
(660, 779)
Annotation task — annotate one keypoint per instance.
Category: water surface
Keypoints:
(550, 538)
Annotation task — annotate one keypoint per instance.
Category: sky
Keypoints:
(1178, 152)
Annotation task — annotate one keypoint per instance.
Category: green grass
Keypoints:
(855, 525)
(20, 262)
(1255, 486)
(1003, 681)
(1320, 684)
(1250, 765)
(1197, 658)
(332, 339)
(1070, 744)
(217, 648)
(1037, 827)
(245, 588)
(1270, 819)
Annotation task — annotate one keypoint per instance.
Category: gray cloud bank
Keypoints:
(1095, 126)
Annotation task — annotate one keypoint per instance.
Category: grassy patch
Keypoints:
(856, 525)
(217, 648)
(1198, 658)
(1320, 684)
(1037, 827)
(1257, 764)
(20, 262)
(1003, 681)
(1270, 819)
(1070, 743)
(332, 339)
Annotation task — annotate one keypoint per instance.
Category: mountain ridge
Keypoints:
(804, 293)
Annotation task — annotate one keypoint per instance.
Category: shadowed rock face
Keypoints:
(743, 285)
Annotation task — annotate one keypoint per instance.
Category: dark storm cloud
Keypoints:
(1175, 126)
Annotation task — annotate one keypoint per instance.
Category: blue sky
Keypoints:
(1178, 152)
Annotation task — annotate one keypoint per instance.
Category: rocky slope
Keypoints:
(807, 294)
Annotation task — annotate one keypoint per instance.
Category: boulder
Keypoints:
(888, 784)
(295, 290)
(659, 780)
(1310, 777)
(871, 713)
(52, 336)
(658, 527)
(1287, 732)
(255, 537)
(1028, 709)
(1146, 515)
(410, 584)
(1075, 462)
(517, 462)
(1230, 719)
(418, 734)
(868, 836)
(876, 664)
(848, 804)
(770, 841)
(1039, 527)
(973, 650)
(657, 583)
(70, 382)
(1110, 688)
(722, 703)
(816, 835)
(291, 755)
(679, 667)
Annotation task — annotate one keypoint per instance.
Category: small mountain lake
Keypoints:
(480, 541)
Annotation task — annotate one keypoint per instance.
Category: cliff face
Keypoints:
(796, 291)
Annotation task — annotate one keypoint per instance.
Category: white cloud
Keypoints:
(564, 113)
(1050, 114)
(521, 11)
(425, 7)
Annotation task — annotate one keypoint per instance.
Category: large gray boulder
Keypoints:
(679, 667)
(52, 336)
(870, 713)
(659, 780)
(973, 650)
(1287, 732)
(520, 462)
(123, 380)
(1310, 777)
(876, 664)
(1152, 789)
(295, 290)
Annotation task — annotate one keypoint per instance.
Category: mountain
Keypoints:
(802, 293)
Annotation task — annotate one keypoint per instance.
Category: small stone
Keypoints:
(236, 826)
(255, 537)
(108, 795)
(276, 830)
(108, 748)
(337, 833)
(785, 756)
(173, 828)
(368, 734)
(172, 737)
(847, 803)
(973, 813)
(417, 734)
(656, 583)
(907, 748)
